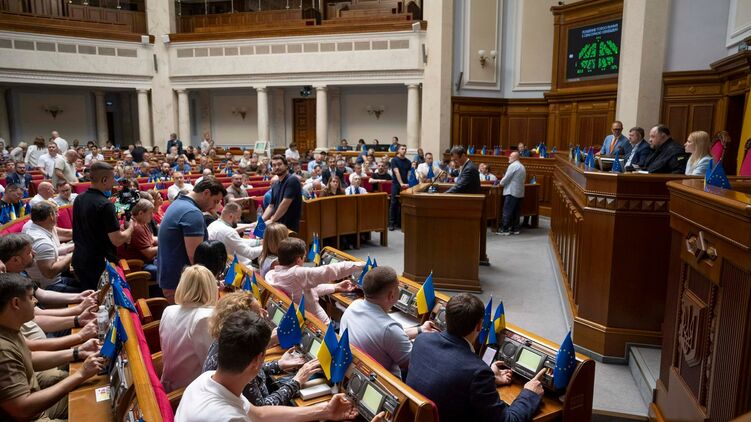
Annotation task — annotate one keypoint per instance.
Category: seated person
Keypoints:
(163, 174)
(65, 194)
(263, 390)
(184, 327)
(143, 243)
(333, 187)
(213, 255)
(11, 205)
(21, 397)
(225, 230)
(204, 173)
(485, 174)
(181, 165)
(272, 237)
(19, 177)
(52, 259)
(424, 167)
(180, 187)
(336, 168)
(697, 144)
(239, 195)
(354, 187)
(461, 385)
(381, 174)
(616, 141)
(372, 330)
(45, 192)
(639, 148)
(217, 396)
(523, 150)
(295, 280)
(667, 155)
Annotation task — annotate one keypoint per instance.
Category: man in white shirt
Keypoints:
(424, 168)
(179, 187)
(204, 173)
(292, 154)
(216, 396)
(62, 144)
(69, 173)
(52, 161)
(65, 194)
(513, 193)
(485, 174)
(225, 230)
(207, 143)
(45, 192)
(371, 328)
(354, 187)
(51, 257)
(93, 155)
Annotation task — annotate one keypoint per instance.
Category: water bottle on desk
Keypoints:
(102, 320)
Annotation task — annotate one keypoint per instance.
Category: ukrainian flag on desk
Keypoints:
(485, 330)
(301, 311)
(250, 285)
(234, 274)
(498, 324)
(327, 352)
(289, 332)
(314, 254)
(565, 363)
(716, 176)
(426, 296)
(368, 266)
(116, 336)
(342, 359)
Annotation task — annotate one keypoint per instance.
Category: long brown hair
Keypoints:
(339, 191)
(274, 234)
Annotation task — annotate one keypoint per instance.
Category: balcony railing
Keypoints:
(118, 16)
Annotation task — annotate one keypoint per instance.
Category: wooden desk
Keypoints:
(82, 404)
(611, 235)
(336, 216)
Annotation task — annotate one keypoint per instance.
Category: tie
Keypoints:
(487, 177)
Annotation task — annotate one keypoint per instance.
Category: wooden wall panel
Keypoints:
(490, 122)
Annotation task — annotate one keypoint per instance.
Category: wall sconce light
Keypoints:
(53, 110)
(375, 110)
(484, 59)
(241, 111)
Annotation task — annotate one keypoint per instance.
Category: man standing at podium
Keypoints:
(468, 180)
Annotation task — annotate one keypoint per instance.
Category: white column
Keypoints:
(277, 117)
(263, 116)
(144, 118)
(335, 115)
(183, 117)
(101, 118)
(4, 125)
(645, 25)
(436, 85)
(160, 19)
(413, 117)
(322, 118)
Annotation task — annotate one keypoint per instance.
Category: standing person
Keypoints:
(51, 162)
(400, 166)
(468, 180)
(513, 193)
(62, 144)
(69, 172)
(174, 142)
(96, 229)
(286, 196)
(33, 153)
(182, 230)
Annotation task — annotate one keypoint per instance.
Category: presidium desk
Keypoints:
(611, 235)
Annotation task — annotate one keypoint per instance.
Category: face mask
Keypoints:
(107, 193)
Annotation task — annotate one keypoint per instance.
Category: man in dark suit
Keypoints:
(445, 369)
(639, 150)
(667, 155)
(468, 180)
(174, 142)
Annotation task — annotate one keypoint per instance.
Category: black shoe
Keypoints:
(391, 228)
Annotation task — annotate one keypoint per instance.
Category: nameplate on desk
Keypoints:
(102, 393)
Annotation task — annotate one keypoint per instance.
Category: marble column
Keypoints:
(322, 118)
(102, 134)
(645, 25)
(436, 86)
(413, 117)
(183, 117)
(263, 116)
(278, 111)
(335, 116)
(4, 123)
(144, 118)
(160, 21)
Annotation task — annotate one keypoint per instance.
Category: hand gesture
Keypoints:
(345, 286)
(88, 315)
(91, 366)
(429, 327)
(307, 370)
(534, 384)
(84, 294)
(502, 376)
(291, 360)
(86, 303)
(379, 417)
(340, 409)
(90, 348)
(90, 330)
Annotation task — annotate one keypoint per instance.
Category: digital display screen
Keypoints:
(372, 399)
(489, 356)
(593, 50)
(405, 298)
(278, 315)
(529, 360)
(315, 346)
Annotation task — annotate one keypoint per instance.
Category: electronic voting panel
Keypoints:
(370, 397)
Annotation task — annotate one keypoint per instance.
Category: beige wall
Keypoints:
(482, 22)
(75, 122)
(534, 46)
(739, 21)
(229, 128)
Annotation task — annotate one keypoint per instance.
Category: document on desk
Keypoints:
(407, 321)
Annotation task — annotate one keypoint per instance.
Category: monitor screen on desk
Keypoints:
(315, 346)
(529, 360)
(278, 315)
(405, 298)
(372, 399)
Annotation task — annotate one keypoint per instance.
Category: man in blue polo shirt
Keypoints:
(286, 196)
(182, 230)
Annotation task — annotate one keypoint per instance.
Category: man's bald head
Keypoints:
(513, 157)
(46, 190)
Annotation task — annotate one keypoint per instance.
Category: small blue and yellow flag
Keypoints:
(115, 337)
(260, 228)
(412, 178)
(234, 276)
(342, 359)
(368, 266)
(301, 311)
(375, 264)
(314, 254)
(499, 323)
(328, 350)
(250, 285)
(485, 330)
(426, 296)
(118, 285)
(533, 180)
(289, 332)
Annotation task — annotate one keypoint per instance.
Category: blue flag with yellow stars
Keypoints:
(116, 336)
(250, 285)
(289, 332)
(342, 359)
(260, 228)
(375, 264)
(426, 296)
(617, 167)
(412, 178)
(565, 363)
(717, 177)
(485, 330)
(118, 285)
(327, 352)
(234, 276)
(471, 149)
(590, 160)
(368, 266)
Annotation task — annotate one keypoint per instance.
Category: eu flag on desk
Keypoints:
(484, 150)
(577, 154)
(234, 274)
(118, 293)
(498, 324)
(260, 228)
(342, 359)
(590, 160)
(543, 151)
(114, 275)
(250, 285)
(375, 263)
(412, 178)
(327, 352)
(718, 178)
(115, 337)
(289, 332)
(554, 150)
(565, 363)
(471, 149)
(366, 268)
(486, 322)
(426, 296)
(617, 167)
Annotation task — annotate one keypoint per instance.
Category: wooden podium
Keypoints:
(443, 233)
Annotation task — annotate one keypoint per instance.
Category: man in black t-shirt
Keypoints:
(286, 196)
(138, 152)
(96, 229)
(400, 166)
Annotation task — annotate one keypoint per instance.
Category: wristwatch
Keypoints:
(75, 354)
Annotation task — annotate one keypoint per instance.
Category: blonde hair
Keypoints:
(229, 304)
(274, 234)
(700, 139)
(197, 286)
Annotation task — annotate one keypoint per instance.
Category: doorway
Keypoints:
(304, 123)
(734, 126)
